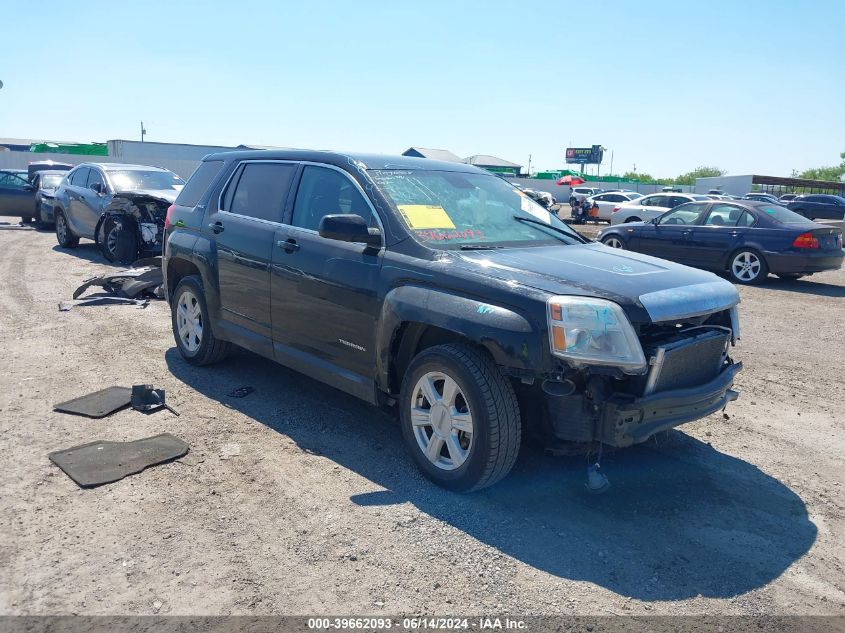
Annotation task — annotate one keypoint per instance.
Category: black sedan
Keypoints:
(16, 194)
(746, 238)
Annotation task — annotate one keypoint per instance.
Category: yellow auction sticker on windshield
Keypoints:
(425, 216)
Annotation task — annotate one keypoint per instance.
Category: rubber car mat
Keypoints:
(101, 462)
(98, 404)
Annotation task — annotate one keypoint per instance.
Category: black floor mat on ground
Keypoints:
(98, 404)
(101, 462)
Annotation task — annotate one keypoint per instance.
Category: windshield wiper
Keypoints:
(478, 247)
(545, 225)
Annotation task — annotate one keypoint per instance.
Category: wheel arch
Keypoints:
(415, 318)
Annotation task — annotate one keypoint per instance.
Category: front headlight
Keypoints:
(588, 331)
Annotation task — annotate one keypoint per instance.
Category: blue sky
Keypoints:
(748, 86)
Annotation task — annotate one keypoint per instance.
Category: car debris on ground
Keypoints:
(102, 403)
(148, 399)
(137, 281)
(101, 462)
(137, 285)
(241, 392)
(98, 404)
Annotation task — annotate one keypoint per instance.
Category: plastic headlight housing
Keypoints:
(587, 331)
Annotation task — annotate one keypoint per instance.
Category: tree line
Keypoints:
(831, 174)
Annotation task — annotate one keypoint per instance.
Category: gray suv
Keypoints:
(121, 207)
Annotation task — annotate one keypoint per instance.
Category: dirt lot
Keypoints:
(322, 512)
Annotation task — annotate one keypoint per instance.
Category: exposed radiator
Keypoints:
(687, 360)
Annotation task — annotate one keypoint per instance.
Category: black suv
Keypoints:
(442, 288)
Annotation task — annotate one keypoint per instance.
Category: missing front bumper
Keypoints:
(623, 420)
(626, 423)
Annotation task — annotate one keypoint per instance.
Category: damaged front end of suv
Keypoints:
(620, 381)
(132, 226)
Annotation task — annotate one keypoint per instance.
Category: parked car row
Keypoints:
(121, 207)
(747, 238)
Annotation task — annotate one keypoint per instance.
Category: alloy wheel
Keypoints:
(112, 236)
(746, 266)
(61, 227)
(189, 322)
(441, 420)
(614, 242)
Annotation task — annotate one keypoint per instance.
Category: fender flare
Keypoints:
(510, 338)
(200, 252)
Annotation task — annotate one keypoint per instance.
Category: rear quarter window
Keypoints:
(199, 182)
(781, 214)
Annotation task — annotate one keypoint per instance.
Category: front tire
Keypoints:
(192, 326)
(65, 238)
(460, 418)
(39, 220)
(791, 276)
(120, 241)
(747, 267)
(633, 219)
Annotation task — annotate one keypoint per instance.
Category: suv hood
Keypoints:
(647, 288)
(168, 195)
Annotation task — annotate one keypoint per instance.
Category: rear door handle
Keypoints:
(289, 245)
(216, 227)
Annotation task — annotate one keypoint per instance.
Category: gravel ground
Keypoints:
(322, 511)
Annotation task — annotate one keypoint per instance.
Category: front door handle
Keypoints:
(289, 245)
(216, 227)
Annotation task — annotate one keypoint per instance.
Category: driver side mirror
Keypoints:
(29, 187)
(348, 227)
(98, 188)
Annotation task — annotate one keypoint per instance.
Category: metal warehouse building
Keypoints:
(179, 158)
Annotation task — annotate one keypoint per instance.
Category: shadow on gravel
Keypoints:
(680, 520)
(805, 286)
(88, 251)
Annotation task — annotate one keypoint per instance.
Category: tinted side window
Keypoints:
(94, 176)
(13, 181)
(324, 191)
(687, 214)
(655, 201)
(746, 219)
(259, 190)
(615, 197)
(725, 215)
(79, 178)
(674, 201)
(199, 182)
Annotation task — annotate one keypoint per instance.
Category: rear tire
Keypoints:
(747, 266)
(791, 276)
(192, 326)
(613, 241)
(64, 236)
(469, 437)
